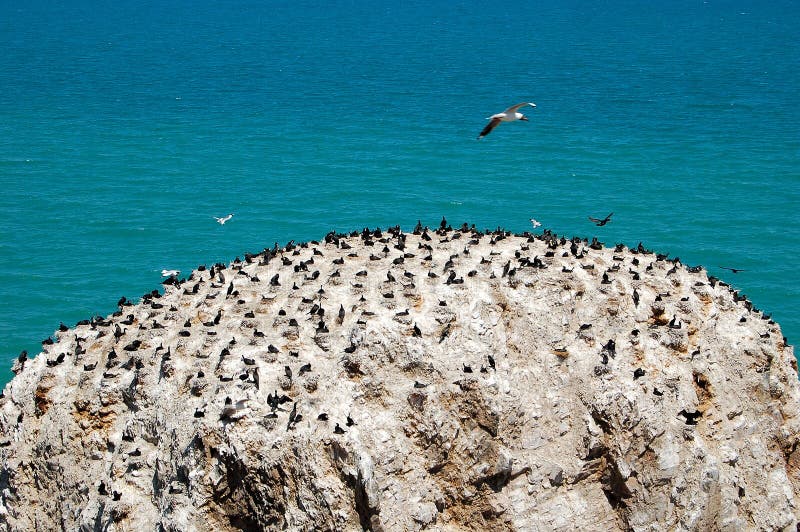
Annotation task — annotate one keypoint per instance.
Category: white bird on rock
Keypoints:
(224, 219)
(509, 115)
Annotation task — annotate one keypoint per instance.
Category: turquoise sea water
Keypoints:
(124, 127)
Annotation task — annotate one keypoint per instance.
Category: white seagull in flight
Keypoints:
(223, 219)
(170, 273)
(509, 115)
(535, 223)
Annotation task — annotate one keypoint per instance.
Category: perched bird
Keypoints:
(601, 222)
(224, 219)
(691, 417)
(509, 115)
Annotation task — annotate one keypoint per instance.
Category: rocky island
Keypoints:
(440, 379)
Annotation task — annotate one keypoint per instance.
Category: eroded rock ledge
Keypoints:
(400, 381)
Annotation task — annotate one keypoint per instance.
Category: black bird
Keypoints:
(322, 417)
(491, 361)
(292, 416)
(419, 385)
(635, 298)
(601, 222)
(674, 323)
(467, 369)
(338, 430)
(341, 313)
(610, 347)
(691, 417)
(417, 332)
(638, 372)
(272, 401)
(288, 371)
(59, 359)
(304, 369)
(350, 421)
(734, 270)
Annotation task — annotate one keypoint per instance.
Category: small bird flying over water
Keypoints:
(734, 270)
(509, 115)
(600, 222)
(224, 219)
(170, 273)
(535, 223)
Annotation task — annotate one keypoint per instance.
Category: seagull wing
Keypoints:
(513, 109)
(489, 127)
(595, 220)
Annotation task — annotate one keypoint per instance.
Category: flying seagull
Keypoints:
(170, 273)
(598, 222)
(509, 115)
(535, 223)
(224, 219)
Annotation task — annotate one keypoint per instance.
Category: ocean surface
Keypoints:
(126, 126)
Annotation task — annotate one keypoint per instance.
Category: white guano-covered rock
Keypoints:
(437, 380)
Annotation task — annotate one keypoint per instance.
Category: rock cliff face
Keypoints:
(441, 380)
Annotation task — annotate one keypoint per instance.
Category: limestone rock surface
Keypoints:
(434, 380)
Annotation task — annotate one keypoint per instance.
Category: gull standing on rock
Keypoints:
(224, 219)
(509, 115)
